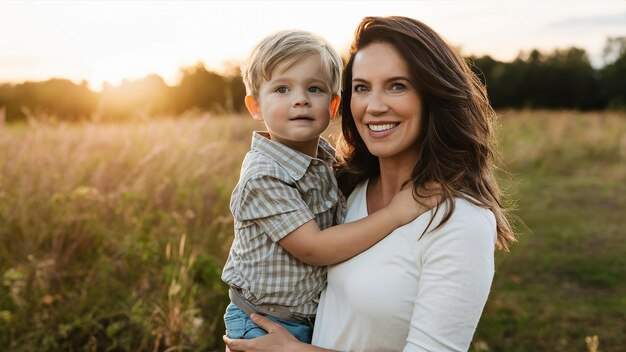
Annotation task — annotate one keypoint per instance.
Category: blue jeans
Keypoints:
(240, 326)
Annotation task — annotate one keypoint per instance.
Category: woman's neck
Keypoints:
(393, 174)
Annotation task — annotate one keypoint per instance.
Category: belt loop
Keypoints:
(237, 298)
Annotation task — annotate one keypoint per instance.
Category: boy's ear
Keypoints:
(254, 108)
(334, 106)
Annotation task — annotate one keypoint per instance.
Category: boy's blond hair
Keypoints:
(289, 46)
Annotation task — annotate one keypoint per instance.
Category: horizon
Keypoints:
(102, 42)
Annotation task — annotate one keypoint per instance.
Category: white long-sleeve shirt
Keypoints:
(406, 294)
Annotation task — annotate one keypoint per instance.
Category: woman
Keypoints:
(412, 112)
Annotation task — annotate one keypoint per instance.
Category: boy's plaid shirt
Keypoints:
(279, 190)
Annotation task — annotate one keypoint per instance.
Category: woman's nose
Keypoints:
(376, 104)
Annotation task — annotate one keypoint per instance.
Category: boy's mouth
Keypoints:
(301, 118)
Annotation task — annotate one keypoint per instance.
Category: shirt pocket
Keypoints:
(321, 194)
(322, 206)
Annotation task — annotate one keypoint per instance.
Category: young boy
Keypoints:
(287, 203)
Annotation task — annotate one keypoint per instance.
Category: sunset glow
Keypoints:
(112, 41)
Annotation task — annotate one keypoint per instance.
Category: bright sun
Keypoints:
(113, 69)
(131, 65)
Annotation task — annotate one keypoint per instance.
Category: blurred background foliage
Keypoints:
(59, 99)
(563, 79)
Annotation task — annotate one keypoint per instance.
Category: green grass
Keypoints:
(113, 235)
(566, 278)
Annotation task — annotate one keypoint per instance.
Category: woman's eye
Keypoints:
(281, 90)
(398, 87)
(359, 88)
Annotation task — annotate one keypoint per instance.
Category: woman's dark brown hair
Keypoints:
(455, 143)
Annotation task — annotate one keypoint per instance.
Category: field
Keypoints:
(112, 236)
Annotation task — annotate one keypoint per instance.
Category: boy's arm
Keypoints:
(338, 243)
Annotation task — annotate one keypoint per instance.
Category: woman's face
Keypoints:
(385, 103)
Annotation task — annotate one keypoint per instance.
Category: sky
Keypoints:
(112, 40)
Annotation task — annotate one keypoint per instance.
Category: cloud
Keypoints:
(590, 21)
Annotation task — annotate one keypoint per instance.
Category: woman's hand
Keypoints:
(277, 338)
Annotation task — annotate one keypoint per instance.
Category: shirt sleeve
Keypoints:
(457, 270)
(274, 205)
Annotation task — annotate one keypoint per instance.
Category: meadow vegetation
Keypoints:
(113, 235)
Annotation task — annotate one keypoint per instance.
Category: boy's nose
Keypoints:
(301, 99)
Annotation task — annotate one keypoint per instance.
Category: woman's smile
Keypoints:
(380, 130)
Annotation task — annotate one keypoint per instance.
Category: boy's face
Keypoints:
(296, 104)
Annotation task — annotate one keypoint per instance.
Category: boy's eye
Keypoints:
(358, 88)
(315, 89)
(281, 90)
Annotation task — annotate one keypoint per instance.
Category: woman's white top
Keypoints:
(407, 293)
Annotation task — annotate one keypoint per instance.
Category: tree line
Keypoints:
(198, 89)
(563, 79)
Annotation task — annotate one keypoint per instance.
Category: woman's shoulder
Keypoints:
(468, 211)
(467, 221)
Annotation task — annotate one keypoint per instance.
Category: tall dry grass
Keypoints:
(112, 236)
(86, 212)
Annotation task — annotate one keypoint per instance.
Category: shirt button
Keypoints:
(315, 162)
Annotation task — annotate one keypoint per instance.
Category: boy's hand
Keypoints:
(404, 208)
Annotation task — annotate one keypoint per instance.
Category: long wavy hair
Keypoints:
(456, 143)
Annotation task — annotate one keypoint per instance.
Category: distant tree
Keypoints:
(571, 80)
(534, 90)
(7, 101)
(483, 67)
(562, 79)
(490, 72)
(509, 84)
(201, 89)
(613, 75)
(59, 98)
(237, 91)
(614, 49)
(146, 97)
